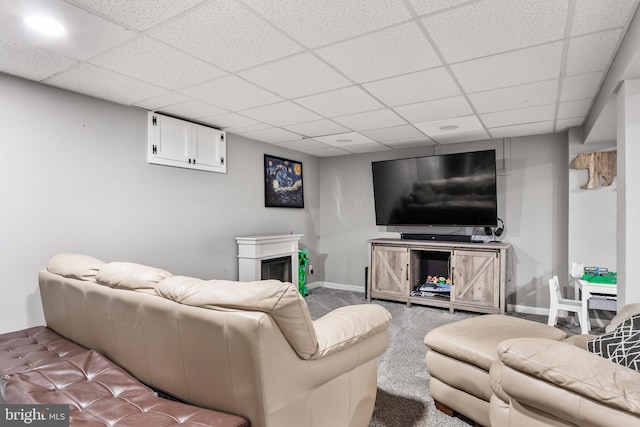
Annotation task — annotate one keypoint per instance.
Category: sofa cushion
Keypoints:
(474, 340)
(627, 311)
(129, 275)
(281, 300)
(622, 345)
(75, 266)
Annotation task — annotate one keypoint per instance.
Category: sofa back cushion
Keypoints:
(75, 266)
(129, 275)
(281, 300)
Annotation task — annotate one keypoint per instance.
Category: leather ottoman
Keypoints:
(39, 366)
(459, 357)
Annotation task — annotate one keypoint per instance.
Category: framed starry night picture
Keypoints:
(282, 183)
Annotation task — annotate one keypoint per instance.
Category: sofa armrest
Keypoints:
(574, 369)
(346, 326)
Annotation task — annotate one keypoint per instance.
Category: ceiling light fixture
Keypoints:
(44, 25)
(343, 140)
(449, 127)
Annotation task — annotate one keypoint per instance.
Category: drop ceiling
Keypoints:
(331, 77)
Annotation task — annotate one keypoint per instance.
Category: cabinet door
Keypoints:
(476, 277)
(390, 268)
(170, 141)
(208, 149)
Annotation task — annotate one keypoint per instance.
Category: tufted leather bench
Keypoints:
(40, 367)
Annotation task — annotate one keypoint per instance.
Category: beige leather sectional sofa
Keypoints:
(540, 382)
(249, 349)
(503, 371)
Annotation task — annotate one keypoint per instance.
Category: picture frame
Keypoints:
(283, 185)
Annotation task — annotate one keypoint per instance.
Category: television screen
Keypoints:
(447, 190)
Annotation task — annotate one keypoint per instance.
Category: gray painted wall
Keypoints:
(532, 201)
(74, 178)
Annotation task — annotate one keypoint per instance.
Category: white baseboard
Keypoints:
(340, 286)
(528, 309)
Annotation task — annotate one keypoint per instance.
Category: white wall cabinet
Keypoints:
(477, 273)
(175, 142)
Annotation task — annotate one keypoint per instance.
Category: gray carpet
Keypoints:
(403, 398)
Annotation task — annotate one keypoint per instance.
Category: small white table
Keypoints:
(588, 289)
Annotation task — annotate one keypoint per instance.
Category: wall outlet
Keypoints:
(311, 269)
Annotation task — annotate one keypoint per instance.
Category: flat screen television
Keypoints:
(442, 190)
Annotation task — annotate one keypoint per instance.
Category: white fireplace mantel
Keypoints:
(253, 249)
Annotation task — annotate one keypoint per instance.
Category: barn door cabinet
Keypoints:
(174, 142)
(476, 274)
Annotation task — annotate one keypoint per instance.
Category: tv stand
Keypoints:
(477, 273)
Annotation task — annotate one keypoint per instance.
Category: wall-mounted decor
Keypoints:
(282, 183)
(602, 165)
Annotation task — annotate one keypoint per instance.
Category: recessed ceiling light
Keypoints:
(449, 127)
(45, 26)
(343, 140)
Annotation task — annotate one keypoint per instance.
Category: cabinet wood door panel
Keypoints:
(389, 270)
(475, 277)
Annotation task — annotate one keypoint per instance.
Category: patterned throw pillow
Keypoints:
(622, 345)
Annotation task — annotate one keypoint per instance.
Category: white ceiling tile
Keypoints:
(394, 133)
(581, 86)
(415, 87)
(510, 69)
(193, 108)
(139, 14)
(571, 109)
(522, 130)
(456, 125)
(345, 139)
(303, 144)
(328, 152)
(435, 110)
(317, 128)
(229, 120)
(226, 34)
(454, 138)
(423, 7)
(95, 81)
(86, 35)
(281, 114)
(31, 62)
(241, 130)
(596, 15)
(493, 26)
(147, 59)
(272, 135)
(411, 142)
(565, 124)
(592, 53)
(366, 148)
(296, 76)
(521, 115)
(232, 93)
(523, 96)
(386, 53)
(371, 120)
(163, 100)
(319, 22)
(340, 102)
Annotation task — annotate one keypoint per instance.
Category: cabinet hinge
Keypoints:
(154, 121)
(222, 137)
(154, 149)
(222, 160)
